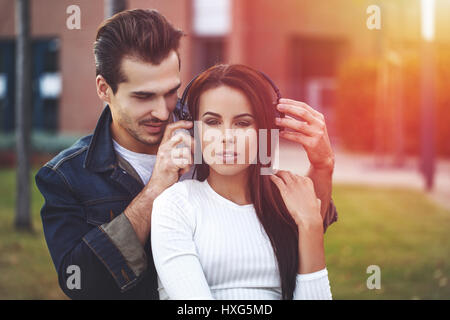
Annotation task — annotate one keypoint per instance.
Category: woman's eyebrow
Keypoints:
(219, 116)
(212, 113)
(243, 115)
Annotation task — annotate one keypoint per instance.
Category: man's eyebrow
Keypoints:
(143, 93)
(150, 93)
(219, 116)
(174, 88)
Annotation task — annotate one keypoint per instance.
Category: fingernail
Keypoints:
(277, 120)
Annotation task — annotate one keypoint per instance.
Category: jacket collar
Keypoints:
(100, 155)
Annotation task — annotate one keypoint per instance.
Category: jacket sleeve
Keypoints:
(104, 255)
(330, 216)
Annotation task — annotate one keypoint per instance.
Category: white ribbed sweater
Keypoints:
(208, 247)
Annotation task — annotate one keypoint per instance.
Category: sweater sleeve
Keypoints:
(174, 251)
(313, 286)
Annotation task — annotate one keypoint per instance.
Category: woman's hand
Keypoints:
(300, 199)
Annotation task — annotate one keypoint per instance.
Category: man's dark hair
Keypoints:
(142, 34)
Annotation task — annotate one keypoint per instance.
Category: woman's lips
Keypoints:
(227, 156)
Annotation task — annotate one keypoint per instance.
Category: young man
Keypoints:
(99, 192)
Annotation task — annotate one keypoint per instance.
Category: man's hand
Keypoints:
(311, 133)
(171, 162)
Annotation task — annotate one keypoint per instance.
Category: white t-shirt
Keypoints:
(143, 163)
(207, 247)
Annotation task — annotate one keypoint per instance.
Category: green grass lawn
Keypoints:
(26, 269)
(400, 231)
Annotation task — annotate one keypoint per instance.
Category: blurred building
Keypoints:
(300, 44)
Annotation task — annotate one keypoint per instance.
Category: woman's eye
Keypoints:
(211, 122)
(243, 123)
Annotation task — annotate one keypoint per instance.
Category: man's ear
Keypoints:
(103, 89)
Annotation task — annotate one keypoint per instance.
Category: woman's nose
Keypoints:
(228, 136)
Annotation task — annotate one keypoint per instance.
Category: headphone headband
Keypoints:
(184, 114)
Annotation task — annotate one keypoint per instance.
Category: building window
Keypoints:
(314, 63)
(211, 27)
(7, 63)
(207, 51)
(46, 85)
(212, 18)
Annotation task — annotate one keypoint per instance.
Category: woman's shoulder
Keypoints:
(181, 192)
(177, 202)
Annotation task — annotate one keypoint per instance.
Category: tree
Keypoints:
(23, 114)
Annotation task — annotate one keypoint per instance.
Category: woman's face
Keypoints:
(227, 130)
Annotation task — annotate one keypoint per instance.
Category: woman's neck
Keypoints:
(233, 188)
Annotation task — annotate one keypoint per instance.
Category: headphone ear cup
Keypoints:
(181, 111)
(186, 116)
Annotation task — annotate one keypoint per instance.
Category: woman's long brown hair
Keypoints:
(266, 198)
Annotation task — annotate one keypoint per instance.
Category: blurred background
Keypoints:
(378, 71)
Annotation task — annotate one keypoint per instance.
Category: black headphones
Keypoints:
(182, 112)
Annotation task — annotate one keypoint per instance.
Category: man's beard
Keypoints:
(148, 140)
(136, 130)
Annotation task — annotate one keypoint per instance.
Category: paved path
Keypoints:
(370, 170)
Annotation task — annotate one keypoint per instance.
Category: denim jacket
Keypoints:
(86, 189)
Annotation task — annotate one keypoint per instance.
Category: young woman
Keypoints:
(233, 233)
